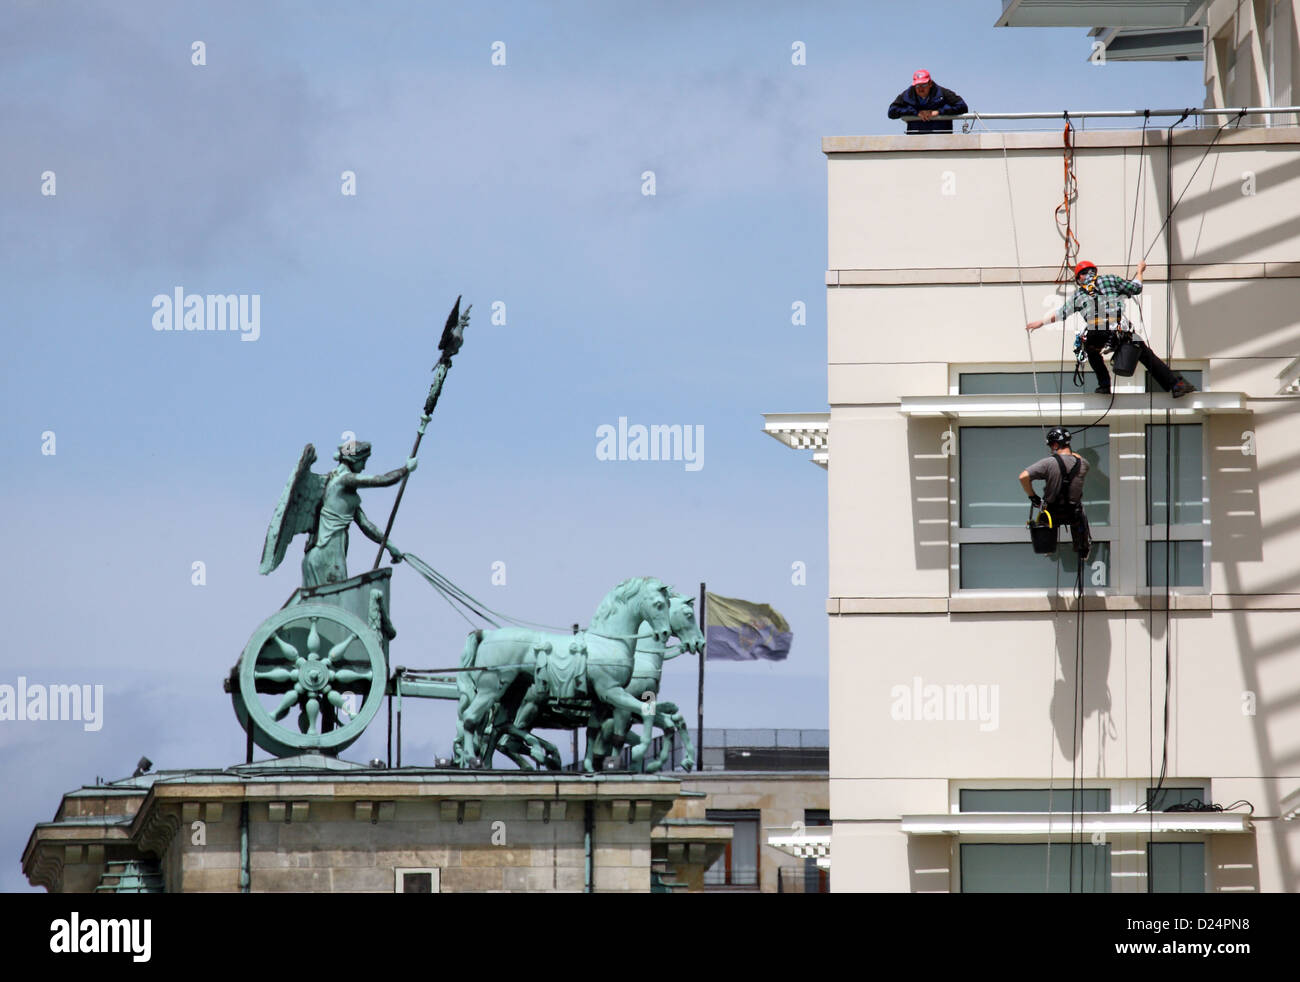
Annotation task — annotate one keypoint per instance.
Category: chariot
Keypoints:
(323, 654)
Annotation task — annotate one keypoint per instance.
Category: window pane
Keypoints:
(1192, 376)
(1158, 801)
(738, 865)
(1014, 867)
(991, 458)
(1184, 487)
(1013, 383)
(1176, 867)
(1185, 568)
(1013, 565)
(1034, 799)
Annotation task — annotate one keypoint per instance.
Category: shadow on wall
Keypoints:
(1201, 326)
(929, 863)
(1234, 501)
(1095, 692)
(1234, 864)
(930, 445)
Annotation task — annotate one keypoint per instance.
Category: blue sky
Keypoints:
(518, 183)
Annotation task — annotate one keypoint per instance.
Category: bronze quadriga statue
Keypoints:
(314, 673)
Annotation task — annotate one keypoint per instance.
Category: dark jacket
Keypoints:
(945, 101)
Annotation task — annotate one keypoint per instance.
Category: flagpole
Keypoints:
(700, 706)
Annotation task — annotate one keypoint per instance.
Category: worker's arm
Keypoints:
(953, 104)
(1049, 319)
(1027, 484)
(900, 106)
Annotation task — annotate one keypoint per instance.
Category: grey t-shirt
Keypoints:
(1047, 471)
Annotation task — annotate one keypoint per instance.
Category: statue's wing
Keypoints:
(296, 510)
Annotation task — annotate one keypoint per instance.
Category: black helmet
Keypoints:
(1058, 434)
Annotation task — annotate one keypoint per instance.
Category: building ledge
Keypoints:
(802, 431)
(1062, 823)
(1084, 405)
(806, 843)
(990, 275)
(1289, 379)
(1030, 601)
(692, 830)
(1291, 806)
(918, 143)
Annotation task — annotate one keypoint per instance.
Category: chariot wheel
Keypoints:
(311, 679)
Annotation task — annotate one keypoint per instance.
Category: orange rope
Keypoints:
(1064, 217)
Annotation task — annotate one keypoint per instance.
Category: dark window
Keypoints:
(1158, 801)
(1176, 867)
(738, 865)
(1034, 800)
(417, 883)
(1192, 376)
(1015, 383)
(1029, 867)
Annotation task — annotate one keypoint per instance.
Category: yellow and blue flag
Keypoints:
(737, 630)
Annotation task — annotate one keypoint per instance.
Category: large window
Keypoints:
(738, 865)
(1035, 867)
(1175, 494)
(993, 544)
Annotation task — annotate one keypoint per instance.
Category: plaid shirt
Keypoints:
(1103, 308)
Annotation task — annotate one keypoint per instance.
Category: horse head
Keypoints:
(654, 601)
(681, 620)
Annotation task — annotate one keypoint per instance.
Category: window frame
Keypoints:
(1126, 794)
(1178, 531)
(734, 815)
(1128, 534)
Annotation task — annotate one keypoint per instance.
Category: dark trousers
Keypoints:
(1095, 342)
(1080, 531)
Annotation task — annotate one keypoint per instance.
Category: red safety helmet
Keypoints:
(1082, 266)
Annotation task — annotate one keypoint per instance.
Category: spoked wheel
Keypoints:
(310, 679)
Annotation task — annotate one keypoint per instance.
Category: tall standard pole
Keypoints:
(453, 336)
(703, 654)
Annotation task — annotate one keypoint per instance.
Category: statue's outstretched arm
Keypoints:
(380, 480)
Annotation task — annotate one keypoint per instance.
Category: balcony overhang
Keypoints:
(807, 843)
(1291, 806)
(1087, 406)
(1143, 44)
(1089, 13)
(1289, 379)
(802, 431)
(1059, 823)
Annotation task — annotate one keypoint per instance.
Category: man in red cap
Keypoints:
(1100, 299)
(925, 99)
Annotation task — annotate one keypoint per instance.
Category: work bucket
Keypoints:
(1126, 359)
(1043, 533)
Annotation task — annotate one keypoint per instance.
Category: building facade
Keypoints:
(992, 730)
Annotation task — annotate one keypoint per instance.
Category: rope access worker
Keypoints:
(927, 100)
(1100, 299)
(1062, 474)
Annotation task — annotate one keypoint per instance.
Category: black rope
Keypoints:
(1169, 147)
